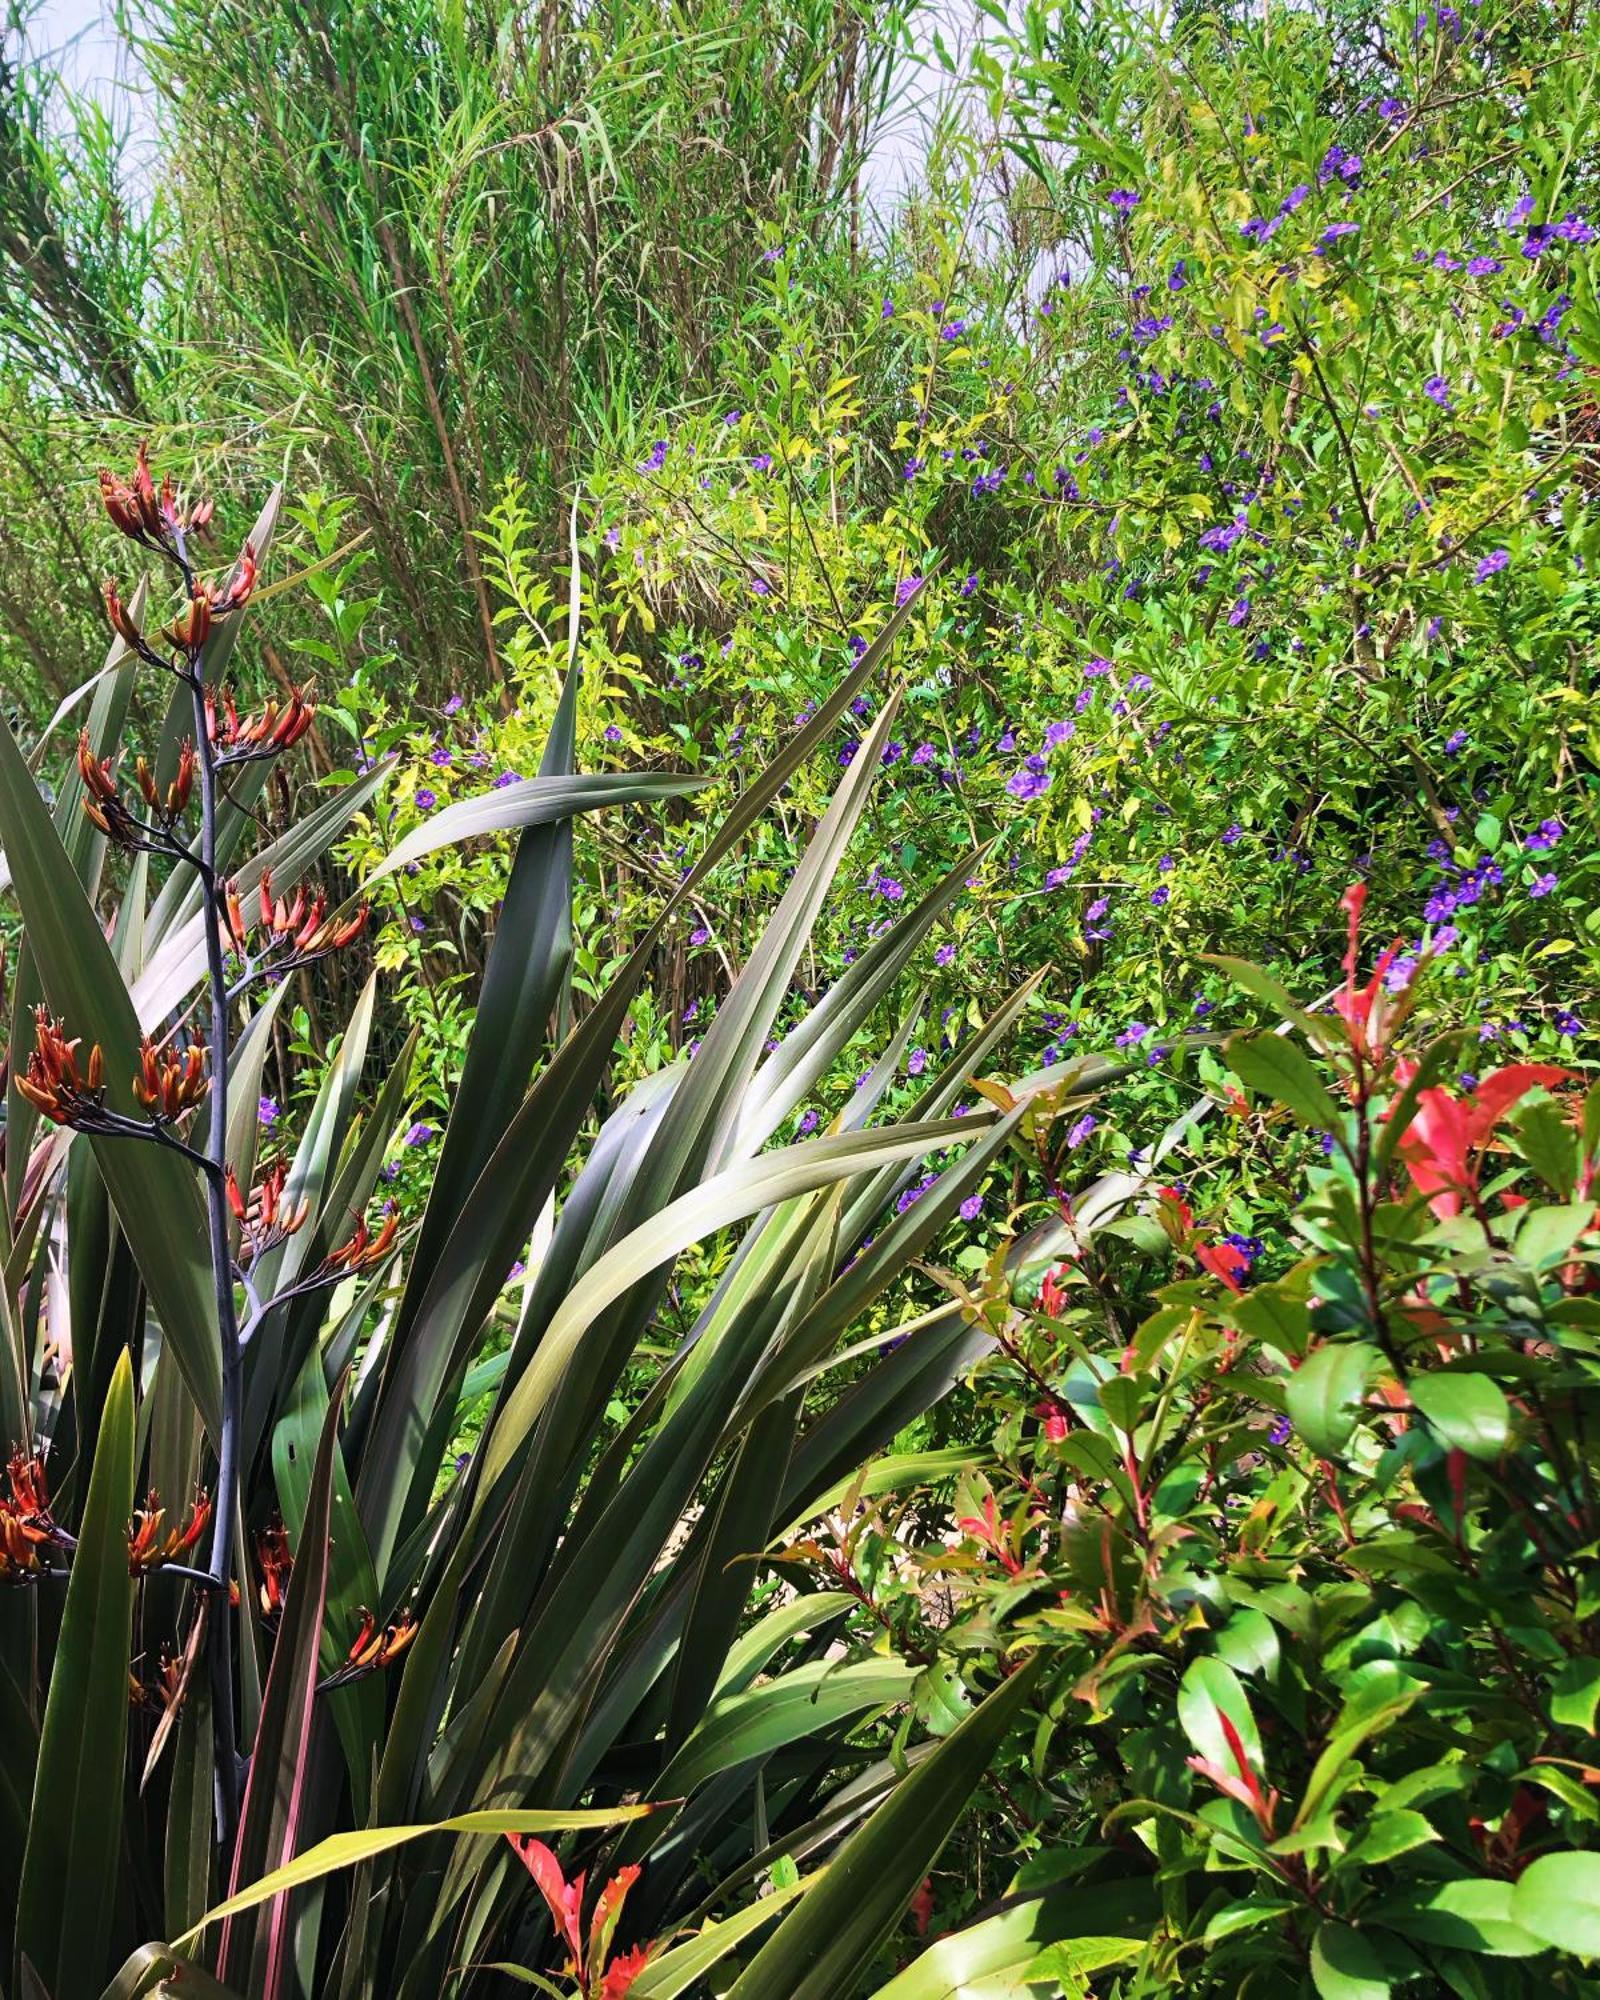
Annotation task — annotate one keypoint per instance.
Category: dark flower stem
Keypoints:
(227, 1508)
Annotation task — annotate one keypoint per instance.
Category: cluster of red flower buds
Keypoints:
(52, 1082)
(166, 1690)
(170, 1084)
(26, 1526)
(266, 1219)
(277, 1563)
(103, 802)
(165, 1084)
(300, 929)
(156, 520)
(364, 1249)
(278, 727)
(148, 1548)
(373, 1649)
(146, 516)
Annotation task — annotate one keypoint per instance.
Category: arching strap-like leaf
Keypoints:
(269, 1819)
(743, 1190)
(345, 1850)
(681, 1969)
(820, 1948)
(68, 1897)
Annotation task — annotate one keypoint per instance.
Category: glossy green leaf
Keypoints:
(1347, 1966)
(1556, 1899)
(1468, 1411)
(1281, 1070)
(1325, 1394)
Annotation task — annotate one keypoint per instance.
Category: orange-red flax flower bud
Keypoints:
(52, 1083)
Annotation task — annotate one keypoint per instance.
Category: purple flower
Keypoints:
(506, 778)
(1548, 833)
(888, 888)
(906, 589)
(455, 704)
(1076, 1134)
(761, 462)
(657, 458)
(810, 1122)
(970, 585)
(1541, 885)
(1491, 565)
(1161, 896)
(972, 1208)
(1096, 910)
(1059, 733)
(419, 1135)
(1455, 742)
(944, 954)
(1437, 390)
(1568, 1023)
(267, 1111)
(1031, 782)
(1123, 200)
(1133, 1034)
(888, 309)
(613, 733)
(1233, 836)
(1281, 1432)
(426, 800)
(952, 329)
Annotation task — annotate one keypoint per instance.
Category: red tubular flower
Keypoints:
(26, 1525)
(265, 1220)
(132, 504)
(190, 630)
(272, 1553)
(148, 1549)
(117, 613)
(364, 1250)
(52, 1083)
(167, 1083)
(373, 1650)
